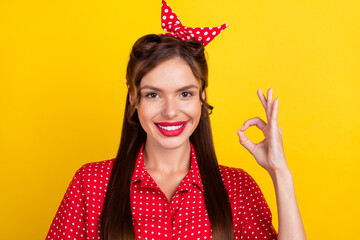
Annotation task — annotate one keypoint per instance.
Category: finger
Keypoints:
(274, 110)
(262, 98)
(245, 141)
(256, 121)
(269, 102)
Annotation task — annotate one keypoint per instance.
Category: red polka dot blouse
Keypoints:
(154, 217)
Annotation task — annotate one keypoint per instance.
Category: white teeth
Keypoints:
(171, 128)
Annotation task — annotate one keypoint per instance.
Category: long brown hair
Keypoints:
(116, 218)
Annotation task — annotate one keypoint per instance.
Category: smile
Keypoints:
(171, 129)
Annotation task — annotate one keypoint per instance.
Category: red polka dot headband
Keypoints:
(171, 23)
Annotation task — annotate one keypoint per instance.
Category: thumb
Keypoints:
(245, 141)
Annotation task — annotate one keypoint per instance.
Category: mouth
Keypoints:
(171, 129)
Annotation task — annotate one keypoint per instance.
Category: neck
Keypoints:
(166, 160)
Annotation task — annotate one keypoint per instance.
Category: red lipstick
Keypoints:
(171, 129)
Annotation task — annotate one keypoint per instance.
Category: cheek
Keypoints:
(146, 113)
(194, 111)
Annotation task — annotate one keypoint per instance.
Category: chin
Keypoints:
(168, 142)
(173, 142)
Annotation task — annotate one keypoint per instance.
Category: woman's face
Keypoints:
(170, 107)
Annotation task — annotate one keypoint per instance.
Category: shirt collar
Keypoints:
(193, 176)
(139, 170)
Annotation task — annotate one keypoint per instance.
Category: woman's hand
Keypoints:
(269, 153)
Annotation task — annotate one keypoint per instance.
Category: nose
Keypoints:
(170, 108)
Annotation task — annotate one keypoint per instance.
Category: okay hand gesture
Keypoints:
(269, 153)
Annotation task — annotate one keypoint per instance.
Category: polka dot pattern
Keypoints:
(154, 217)
(252, 217)
(171, 23)
(79, 211)
(185, 217)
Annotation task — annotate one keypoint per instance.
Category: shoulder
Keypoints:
(82, 204)
(90, 182)
(237, 182)
(93, 174)
(233, 176)
(96, 169)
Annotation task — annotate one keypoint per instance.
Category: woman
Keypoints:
(165, 182)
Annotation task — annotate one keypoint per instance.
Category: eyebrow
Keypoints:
(179, 90)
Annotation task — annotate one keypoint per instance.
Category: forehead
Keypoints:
(171, 74)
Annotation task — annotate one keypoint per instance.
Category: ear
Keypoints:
(203, 95)
(131, 98)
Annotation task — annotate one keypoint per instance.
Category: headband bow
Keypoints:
(171, 23)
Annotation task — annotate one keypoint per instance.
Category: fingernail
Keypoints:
(242, 128)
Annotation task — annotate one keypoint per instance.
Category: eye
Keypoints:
(151, 95)
(186, 94)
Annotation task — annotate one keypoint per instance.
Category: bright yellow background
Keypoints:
(62, 93)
